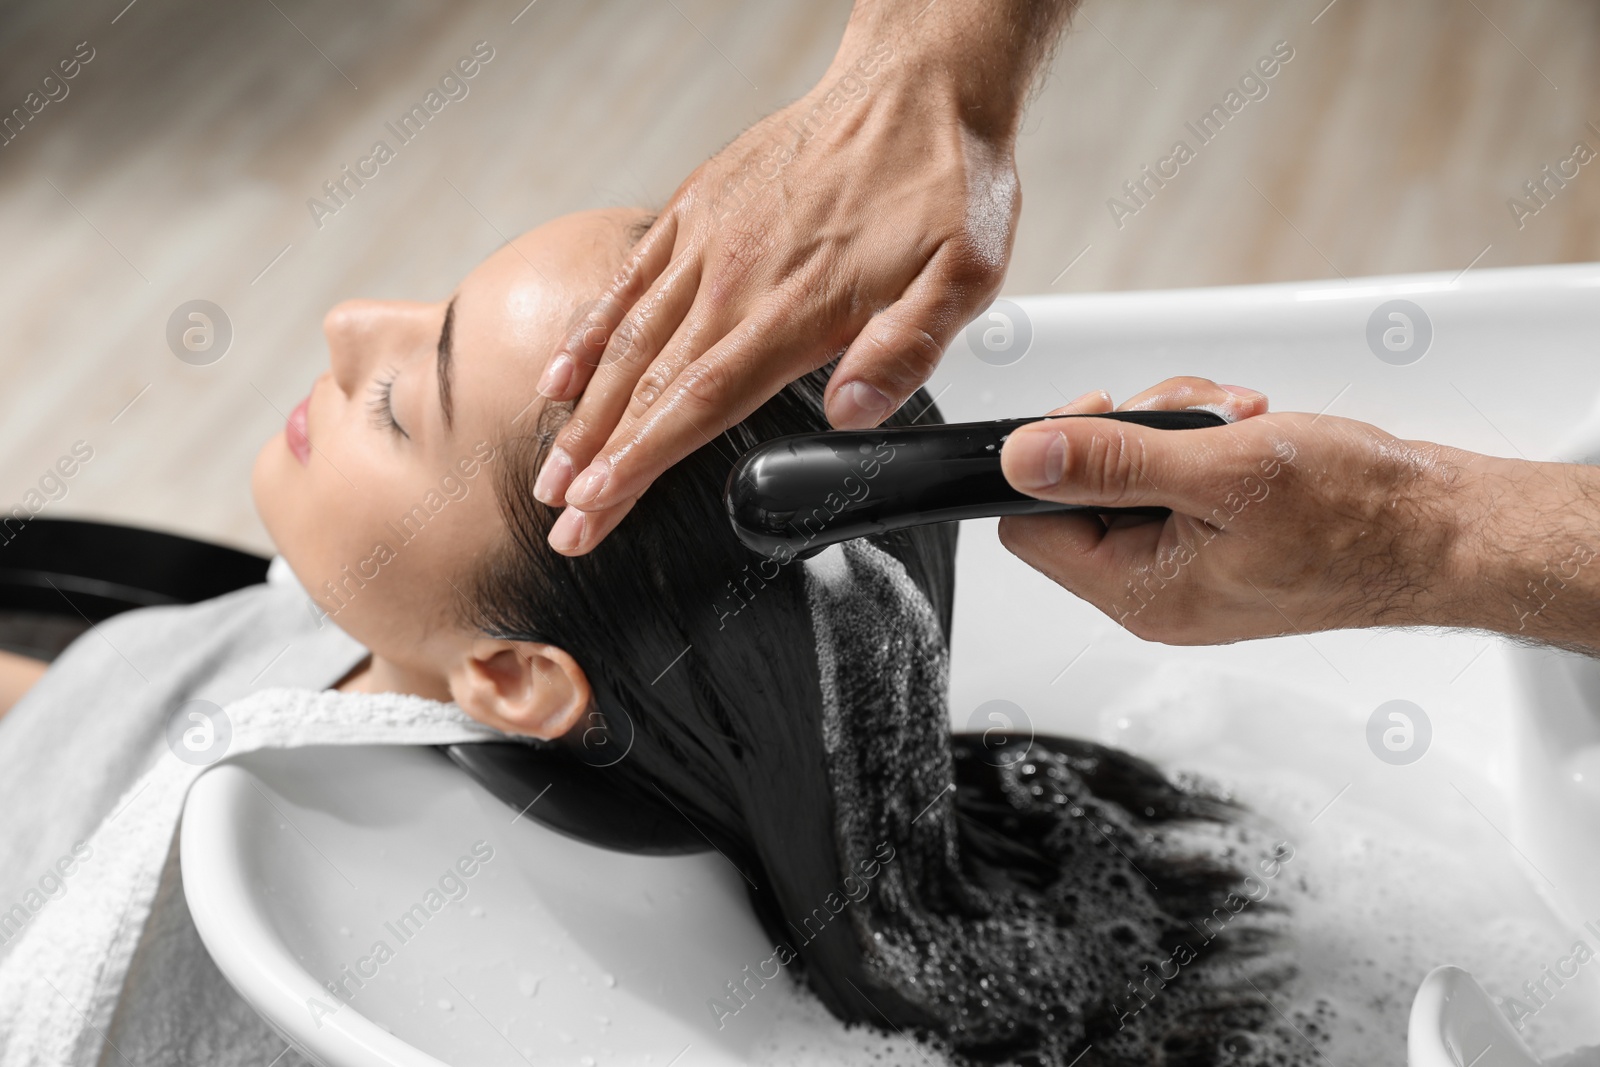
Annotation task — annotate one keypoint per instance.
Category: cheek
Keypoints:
(378, 559)
(395, 590)
(371, 596)
(335, 539)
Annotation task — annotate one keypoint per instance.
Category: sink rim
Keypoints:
(243, 943)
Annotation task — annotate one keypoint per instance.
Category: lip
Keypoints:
(296, 435)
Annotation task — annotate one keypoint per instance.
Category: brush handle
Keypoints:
(794, 496)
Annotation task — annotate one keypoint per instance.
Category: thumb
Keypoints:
(1103, 462)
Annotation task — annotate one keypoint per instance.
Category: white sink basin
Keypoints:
(294, 862)
(297, 864)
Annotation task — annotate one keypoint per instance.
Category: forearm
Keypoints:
(986, 53)
(1526, 560)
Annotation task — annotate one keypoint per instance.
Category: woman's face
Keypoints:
(380, 492)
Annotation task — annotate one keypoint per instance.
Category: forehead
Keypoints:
(514, 308)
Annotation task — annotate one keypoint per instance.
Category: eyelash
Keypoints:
(382, 404)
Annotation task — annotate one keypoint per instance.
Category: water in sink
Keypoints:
(554, 949)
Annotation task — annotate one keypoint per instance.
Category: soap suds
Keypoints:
(1056, 910)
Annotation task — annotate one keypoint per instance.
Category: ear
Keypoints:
(521, 687)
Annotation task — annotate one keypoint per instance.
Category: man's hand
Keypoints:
(1290, 523)
(872, 218)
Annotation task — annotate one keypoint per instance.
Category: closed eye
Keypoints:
(382, 404)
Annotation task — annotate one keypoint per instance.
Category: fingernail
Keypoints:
(589, 483)
(556, 377)
(1038, 460)
(568, 530)
(1240, 390)
(553, 478)
(858, 406)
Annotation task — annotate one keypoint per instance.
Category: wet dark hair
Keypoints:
(1036, 913)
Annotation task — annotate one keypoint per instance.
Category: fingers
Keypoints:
(1114, 464)
(898, 350)
(1094, 402)
(573, 364)
(652, 403)
(1122, 465)
(1081, 555)
(739, 373)
(576, 532)
(1056, 545)
(1231, 402)
(662, 319)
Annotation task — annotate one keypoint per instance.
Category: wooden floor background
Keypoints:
(179, 165)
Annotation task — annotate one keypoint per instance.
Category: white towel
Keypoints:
(59, 987)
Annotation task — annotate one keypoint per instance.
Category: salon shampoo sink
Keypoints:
(456, 931)
(296, 864)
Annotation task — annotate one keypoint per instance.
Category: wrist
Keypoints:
(982, 87)
(1414, 559)
(1472, 568)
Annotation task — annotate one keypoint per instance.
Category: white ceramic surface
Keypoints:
(299, 864)
(1454, 1023)
(350, 839)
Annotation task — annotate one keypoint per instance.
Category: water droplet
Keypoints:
(445, 1005)
(609, 980)
(527, 984)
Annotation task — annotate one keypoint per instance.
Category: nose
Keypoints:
(365, 335)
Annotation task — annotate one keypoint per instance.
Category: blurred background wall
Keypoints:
(180, 161)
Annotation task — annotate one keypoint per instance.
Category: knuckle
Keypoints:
(905, 352)
(588, 329)
(919, 349)
(1109, 466)
(1177, 392)
(629, 341)
(573, 436)
(704, 384)
(633, 279)
(1185, 383)
(972, 265)
(690, 197)
(650, 386)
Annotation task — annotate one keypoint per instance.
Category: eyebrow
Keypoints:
(636, 229)
(446, 364)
